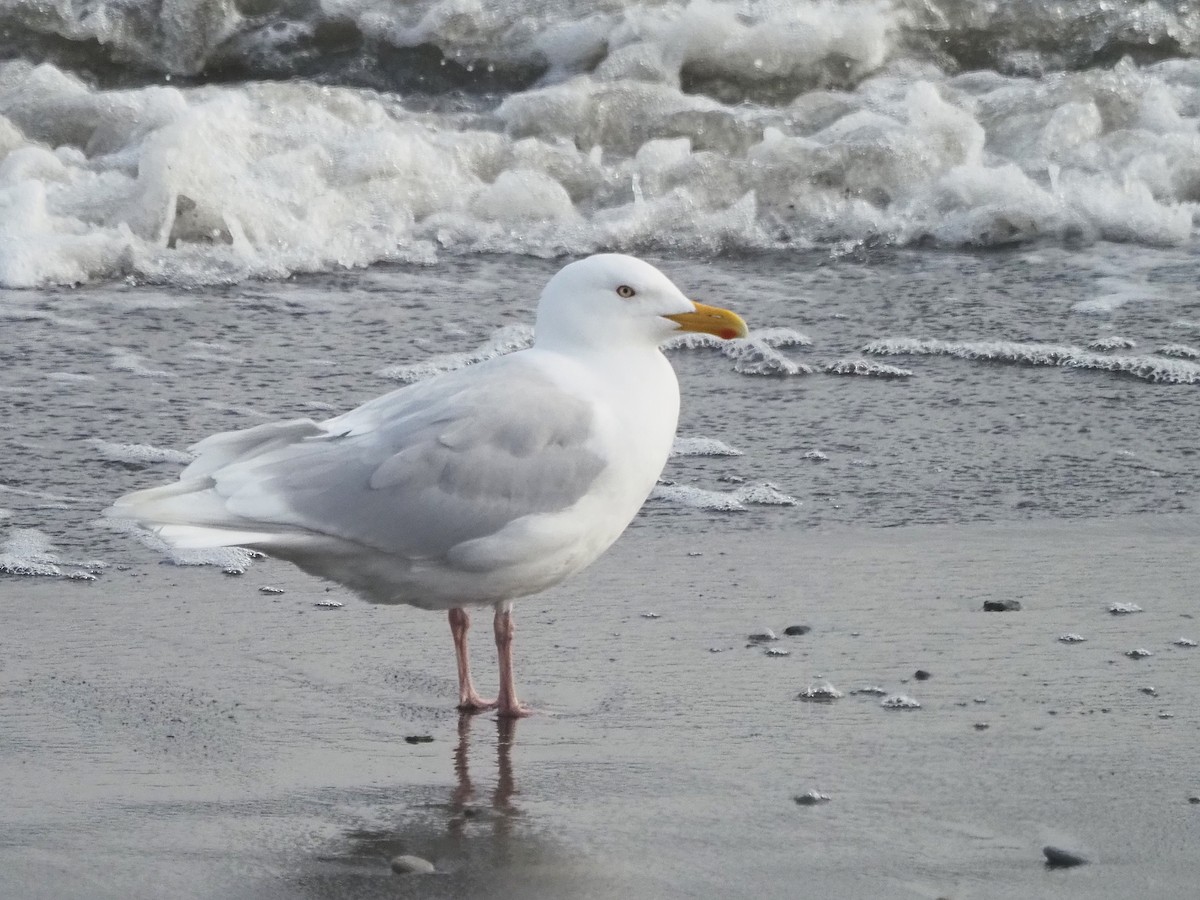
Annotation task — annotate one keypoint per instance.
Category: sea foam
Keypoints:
(682, 129)
(1147, 368)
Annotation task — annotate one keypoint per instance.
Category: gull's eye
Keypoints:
(625, 292)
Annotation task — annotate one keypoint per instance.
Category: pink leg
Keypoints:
(507, 703)
(468, 699)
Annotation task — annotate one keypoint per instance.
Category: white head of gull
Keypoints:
(472, 488)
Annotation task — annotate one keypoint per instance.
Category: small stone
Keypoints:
(900, 701)
(1071, 638)
(329, 604)
(1166, 715)
(695, 553)
(982, 726)
(419, 738)
(922, 675)
(816, 455)
(981, 699)
(267, 589)
(762, 636)
(1185, 642)
(811, 798)
(825, 693)
(651, 615)
(1150, 690)
(1124, 609)
(412, 865)
(1001, 605)
(872, 689)
(1139, 653)
(796, 630)
(777, 651)
(1057, 858)
(1193, 799)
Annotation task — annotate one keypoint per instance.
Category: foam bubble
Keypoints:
(696, 128)
(866, 367)
(231, 560)
(697, 498)
(505, 340)
(1147, 368)
(1178, 351)
(702, 446)
(763, 494)
(138, 453)
(1113, 342)
(28, 551)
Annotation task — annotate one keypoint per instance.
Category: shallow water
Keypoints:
(109, 385)
(176, 730)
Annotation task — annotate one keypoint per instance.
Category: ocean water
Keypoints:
(199, 143)
(963, 234)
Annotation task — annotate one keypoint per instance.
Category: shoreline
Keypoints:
(170, 726)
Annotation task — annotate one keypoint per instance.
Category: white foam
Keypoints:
(762, 494)
(28, 551)
(505, 340)
(866, 367)
(702, 446)
(608, 150)
(1179, 351)
(232, 560)
(138, 453)
(1113, 342)
(1148, 368)
(754, 355)
(899, 701)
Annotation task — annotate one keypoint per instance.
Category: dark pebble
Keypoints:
(419, 738)
(1057, 858)
(1193, 799)
(796, 630)
(1001, 605)
(922, 675)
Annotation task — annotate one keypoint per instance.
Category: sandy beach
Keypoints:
(175, 732)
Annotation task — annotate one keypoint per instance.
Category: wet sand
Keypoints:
(174, 732)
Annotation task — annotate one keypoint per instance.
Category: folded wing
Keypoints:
(413, 473)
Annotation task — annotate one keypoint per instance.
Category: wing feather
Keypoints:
(415, 472)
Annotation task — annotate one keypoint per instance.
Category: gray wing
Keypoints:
(422, 469)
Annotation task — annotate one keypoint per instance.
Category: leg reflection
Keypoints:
(462, 807)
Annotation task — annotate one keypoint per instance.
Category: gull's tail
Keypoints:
(191, 513)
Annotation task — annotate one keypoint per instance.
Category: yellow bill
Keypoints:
(712, 320)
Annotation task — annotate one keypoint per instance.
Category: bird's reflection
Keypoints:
(462, 806)
(461, 835)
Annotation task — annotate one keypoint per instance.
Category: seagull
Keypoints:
(472, 488)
